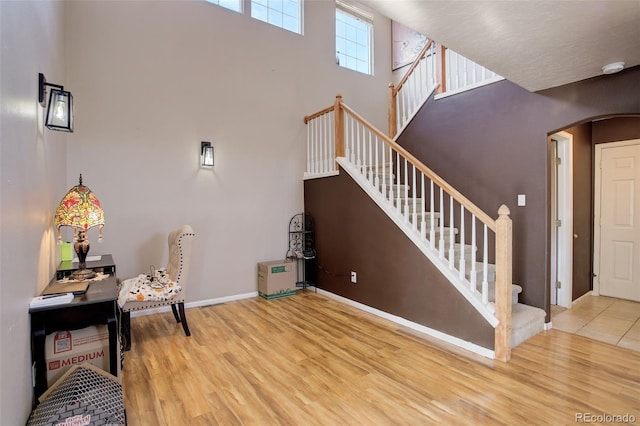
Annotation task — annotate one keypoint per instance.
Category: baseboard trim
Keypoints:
(471, 347)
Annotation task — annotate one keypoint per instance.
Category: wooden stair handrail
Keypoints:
(310, 117)
(422, 54)
(469, 205)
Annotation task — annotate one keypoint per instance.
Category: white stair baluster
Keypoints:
(347, 148)
(441, 246)
(405, 106)
(391, 175)
(377, 169)
(452, 250)
(462, 263)
(353, 140)
(485, 268)
(406, 191)
(332, 144)
(432, 218)
(316, 139)
(415, 210)
(370, 165)
(358, 153)
(397, 182)
(363, 159)
(321, 143)
(384, 173)
(449, 69)
(309, 153)
(414, 90)
(326, 151)
(423, 223)
(423, 78)
(474, 250)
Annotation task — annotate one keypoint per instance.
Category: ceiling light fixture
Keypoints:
(613, 68)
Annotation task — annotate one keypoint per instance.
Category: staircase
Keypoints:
(527, 321)
(470, 248)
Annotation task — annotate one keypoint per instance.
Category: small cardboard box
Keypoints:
(66, 348)
(276, 279)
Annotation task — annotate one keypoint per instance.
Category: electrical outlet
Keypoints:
(354, 277)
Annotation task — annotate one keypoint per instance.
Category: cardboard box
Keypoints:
(66, 348)
(276, 279)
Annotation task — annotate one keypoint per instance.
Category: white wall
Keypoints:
(150, 81)
(32, 175)
(153, 79)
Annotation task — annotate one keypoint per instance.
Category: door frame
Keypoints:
(562, 237)
(596, 206)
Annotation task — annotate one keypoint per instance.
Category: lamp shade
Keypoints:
(80, 209)
(60, 111)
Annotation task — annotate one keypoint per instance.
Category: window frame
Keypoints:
(364, 17)
(265, 4)
(239, 2)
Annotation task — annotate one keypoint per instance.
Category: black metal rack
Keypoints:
(302, 249)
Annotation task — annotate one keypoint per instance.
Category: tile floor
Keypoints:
(607, 319)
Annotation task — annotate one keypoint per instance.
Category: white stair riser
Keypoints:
(393, 188)
(515, 291)
(379, 167)
(428, 218)
(408, 205)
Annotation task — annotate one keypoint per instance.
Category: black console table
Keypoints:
(96, 306)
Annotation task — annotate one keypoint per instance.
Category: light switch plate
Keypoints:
(522, 200)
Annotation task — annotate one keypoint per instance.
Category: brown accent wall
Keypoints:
(616, 129)
(491, 144)
(354, 234)
(582, 209)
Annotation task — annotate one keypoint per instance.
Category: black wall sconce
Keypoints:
(206, 154)
(60, 109)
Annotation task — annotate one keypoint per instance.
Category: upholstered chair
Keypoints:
(140, 293)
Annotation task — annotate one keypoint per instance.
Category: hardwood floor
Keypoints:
(309, 360)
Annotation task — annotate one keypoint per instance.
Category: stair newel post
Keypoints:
(392, 111)
(441, 71)
(503, 284)
(339, 119)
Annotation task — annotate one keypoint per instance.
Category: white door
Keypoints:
(562, 219)
(619, 220)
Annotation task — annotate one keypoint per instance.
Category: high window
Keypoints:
(354, 38)
(285, 14)
(235, 5)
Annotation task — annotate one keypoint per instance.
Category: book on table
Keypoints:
(51, 300)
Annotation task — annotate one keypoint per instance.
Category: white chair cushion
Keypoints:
(145, 288)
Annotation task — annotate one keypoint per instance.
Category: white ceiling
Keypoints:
(535, 44)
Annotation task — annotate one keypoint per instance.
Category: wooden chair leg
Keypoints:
(125, 329)
(175, 312)
(185, 326)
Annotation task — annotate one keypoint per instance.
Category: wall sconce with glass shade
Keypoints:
(60, 109)
(80, 210)
(206, 154)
